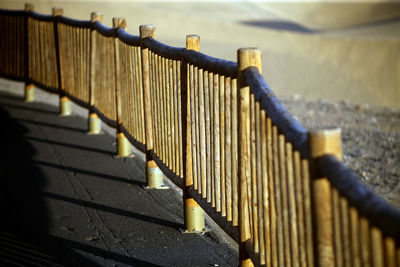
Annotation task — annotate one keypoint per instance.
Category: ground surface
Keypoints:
(65, 199)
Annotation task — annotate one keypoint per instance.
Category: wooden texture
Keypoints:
(93, 56)
(323, 142)
(246, 58)
(192, 43)
(147, 31)
(118, 23)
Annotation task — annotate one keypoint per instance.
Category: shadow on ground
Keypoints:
(24, 223)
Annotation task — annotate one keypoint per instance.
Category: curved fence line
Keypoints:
(216, 129)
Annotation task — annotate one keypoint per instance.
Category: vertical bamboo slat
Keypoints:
(259, 192)
(217, 148)
(222, 143)
(300, 199)
(365, 242)
(228, 149)
(252, 186)
(377, 252)
(355, 245)
(265, 131)
(345, 231)
(293, 222)
(284, 198)
(277, 195)
(235, 158)
(275, 249)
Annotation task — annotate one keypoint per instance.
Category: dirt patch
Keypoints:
(370, 135)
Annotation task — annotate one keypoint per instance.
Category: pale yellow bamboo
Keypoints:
(299, 199)
(207, 135)
(197, 128)
(293, 222)
(337, 228)
(377, 247)
(141, 120)
(324, 142)
(345, 230)
(168, 137)
(202, 136)
(174, 130)
(305, 173)
(228, 149)
(265, 184)
(252, 186)
(222, 143)
(210, 113)
(260, 185)
(284, 199)
(159, 106)
(355, 232)
(81, 64)
(164, 107)
(155, 103)
(216, 144)
(390, 252)
(234, 155)
(179, 112)
(191, 135)
(176, 134)
(278, 199)
(365, 242)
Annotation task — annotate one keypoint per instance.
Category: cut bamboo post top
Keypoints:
(96, 16)
(119, 23)
(57, 11)
(248, 57)
(193, 42)
(28, 7)
(325, 142)
(147, 31)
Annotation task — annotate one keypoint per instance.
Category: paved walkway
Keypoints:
(65, 199)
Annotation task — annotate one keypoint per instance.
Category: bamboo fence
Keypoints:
(216, 130)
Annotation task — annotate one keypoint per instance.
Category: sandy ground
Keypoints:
(319, 50)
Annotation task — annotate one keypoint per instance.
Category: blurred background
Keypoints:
(326, 50)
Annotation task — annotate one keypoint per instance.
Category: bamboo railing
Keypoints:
(216, 130)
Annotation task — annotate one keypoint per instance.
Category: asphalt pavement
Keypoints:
(65, 199)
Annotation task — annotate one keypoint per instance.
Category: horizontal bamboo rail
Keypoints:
(216, 130)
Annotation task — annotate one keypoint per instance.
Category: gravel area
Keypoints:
(370, 135)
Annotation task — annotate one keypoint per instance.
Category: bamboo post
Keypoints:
(123, 145)
(247, 57)
(154, 176)
(194, 214)
(94, 121)
(324, 142)
(65, 103)
(29, 87)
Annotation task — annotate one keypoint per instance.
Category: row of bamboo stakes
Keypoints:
(236, 158)
(42, 53)
(213, 125)
(74, 47)
(165, 101)
(132, 110)
(12, 49)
